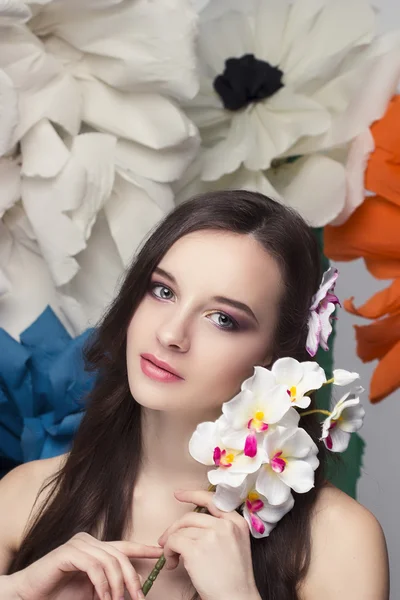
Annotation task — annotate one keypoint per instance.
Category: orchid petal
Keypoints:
(314, 333)
(270, 485)
(298, 475)
(343, 377)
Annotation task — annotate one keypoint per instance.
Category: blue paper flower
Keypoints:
(43, 386)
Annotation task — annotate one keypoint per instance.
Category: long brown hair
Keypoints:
(95, 484)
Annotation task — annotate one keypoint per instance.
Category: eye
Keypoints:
(224, 321)
(161, 291)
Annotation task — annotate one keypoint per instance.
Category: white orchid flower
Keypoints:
(291, 459)
(207, 447)
(346, 418)
(342, 377)
(321, 309)
(300, 378)
(260, 404)
(260, 515)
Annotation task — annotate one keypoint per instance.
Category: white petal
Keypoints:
(298, 475)
(83, 298)
(356, 164)
(8, 111)
(147, 119)
(14, 11)
(228, 154)
(340, 440)
(321, 50)
(314, 332)
(44, 153)
(272, 487)
(298, 445)
(162, 166)
(290, 420)
(229, 498)
(95, 152)
(239, 410)
(10, 189)
(270, 24)
(276, 123)
(268, 526)
(353, 417)
(328, 280)
(260, 382)
(226, 477)
(314, 185)
(343, 377)
(287, 370)
(275, 403)
(203, 442)
(131, 214)
(163, 60)
(326, 325)
(274, 513)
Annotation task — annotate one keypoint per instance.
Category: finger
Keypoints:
(200, 498)
(110, 564)
(206, 499)
(74, 559)
(132, 579)
(190, 519)
(135, 550)
(179, 544)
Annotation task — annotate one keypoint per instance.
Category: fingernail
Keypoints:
(141, 595)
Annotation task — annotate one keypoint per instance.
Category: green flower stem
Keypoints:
(161, 561)
(317, 410)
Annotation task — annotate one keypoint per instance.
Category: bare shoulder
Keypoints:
(348, 551)
(19, 491)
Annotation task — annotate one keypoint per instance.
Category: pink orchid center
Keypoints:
(257, 423)
(254, 502)
(278, 464)
(222, 458)
(329, 441)
(253, 505)
(323, 304)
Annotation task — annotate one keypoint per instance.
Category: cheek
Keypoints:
(226, 365)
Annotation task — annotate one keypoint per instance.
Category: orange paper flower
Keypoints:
(373, 232)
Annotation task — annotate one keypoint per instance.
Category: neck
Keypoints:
(165, 459)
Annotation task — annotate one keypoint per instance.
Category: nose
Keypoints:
(173, 334)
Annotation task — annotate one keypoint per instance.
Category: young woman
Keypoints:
(223, 284)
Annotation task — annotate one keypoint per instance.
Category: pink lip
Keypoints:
(158, 369)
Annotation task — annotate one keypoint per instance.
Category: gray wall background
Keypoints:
(379, 485)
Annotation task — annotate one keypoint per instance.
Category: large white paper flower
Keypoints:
(291, 462)
(260, 515)
(346, 418)
(92, 131)
(292, 88)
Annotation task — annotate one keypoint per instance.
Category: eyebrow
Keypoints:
(234, 303)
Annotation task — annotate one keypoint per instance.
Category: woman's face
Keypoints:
(210, 313)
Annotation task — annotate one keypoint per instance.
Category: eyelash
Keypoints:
(234, 327)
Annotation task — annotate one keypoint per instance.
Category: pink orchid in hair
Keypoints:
(321, 309)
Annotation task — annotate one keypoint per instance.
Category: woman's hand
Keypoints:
(215, 550)
(105, 567)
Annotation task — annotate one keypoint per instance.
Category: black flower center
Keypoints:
(245, 80)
